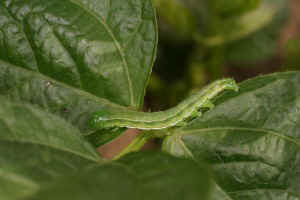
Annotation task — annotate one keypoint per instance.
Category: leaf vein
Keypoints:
(26, 37)
(59, 39)
(271, 132)
(51, 146)
(117, 44)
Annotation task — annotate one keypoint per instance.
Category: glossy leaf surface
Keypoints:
(251, 139)
(37, 147)
(103, 47)
(74, 57)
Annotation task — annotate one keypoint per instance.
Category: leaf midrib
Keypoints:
(117, 44)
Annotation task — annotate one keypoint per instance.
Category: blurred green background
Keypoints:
(204, 40)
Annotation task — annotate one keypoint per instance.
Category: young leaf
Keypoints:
(251, 139)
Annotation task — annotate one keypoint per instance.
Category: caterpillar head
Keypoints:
(230, 84)
(98, 120)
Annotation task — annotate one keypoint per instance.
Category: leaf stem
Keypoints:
(141, 139)
(136, 144)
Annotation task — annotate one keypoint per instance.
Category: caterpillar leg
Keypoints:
(193, 115)
(208, 104)
(197, 113)
(182, 123)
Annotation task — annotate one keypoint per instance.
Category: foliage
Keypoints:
(63, 60)
(251, 139)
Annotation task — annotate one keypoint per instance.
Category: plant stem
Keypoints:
(141, 139)
(136, 144)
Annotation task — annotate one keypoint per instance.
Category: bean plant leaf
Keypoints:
(74, 57)
(251, 139)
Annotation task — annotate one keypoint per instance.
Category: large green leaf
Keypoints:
(140, 176)
(108, 182)
(37, 147)
(73, 105)
(106, 48)
(251, 138)
(68, 56)
(166, 177)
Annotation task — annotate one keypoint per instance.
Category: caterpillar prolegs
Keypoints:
(187, 109)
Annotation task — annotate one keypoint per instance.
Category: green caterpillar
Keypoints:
(181, 113)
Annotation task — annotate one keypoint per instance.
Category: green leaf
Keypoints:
(251, 139)
(110, 182)
(166, 177)
(106, 48)
(142, 175)
(73, 105)
(68, 56)
(37, 147)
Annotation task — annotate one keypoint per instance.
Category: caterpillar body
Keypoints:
(187, 109)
